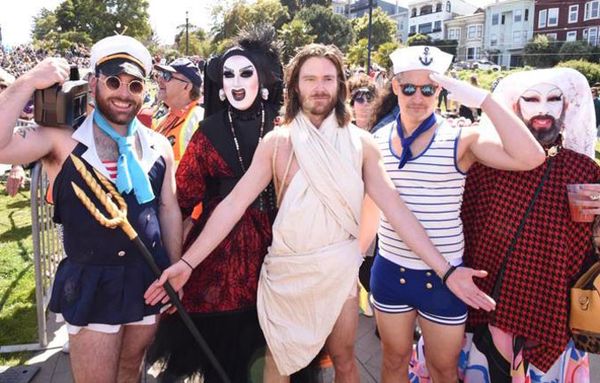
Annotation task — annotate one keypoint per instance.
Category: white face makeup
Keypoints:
(539, 103)
(240, 82)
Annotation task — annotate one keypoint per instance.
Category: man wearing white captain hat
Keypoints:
(99, 286)
(427, 159)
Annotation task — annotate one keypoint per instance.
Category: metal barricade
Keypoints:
(47, 246)
(47, 252)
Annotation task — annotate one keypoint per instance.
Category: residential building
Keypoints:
(568, 20)
(361, 7)
(401, 19)
(427, 16)
(468, 31)
(340, 7)
(508, 27)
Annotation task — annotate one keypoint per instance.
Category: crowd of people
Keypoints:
(23, 58)
(258, 187)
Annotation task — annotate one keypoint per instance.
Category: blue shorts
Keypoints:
(397, 289)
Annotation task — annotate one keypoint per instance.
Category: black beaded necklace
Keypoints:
(235, 140)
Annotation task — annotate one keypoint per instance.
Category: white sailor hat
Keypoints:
(120, 54)
(421, 57)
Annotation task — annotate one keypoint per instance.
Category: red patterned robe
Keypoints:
(548, 255)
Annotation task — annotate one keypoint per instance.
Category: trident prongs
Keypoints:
(110, 223)
(113, 192)
(118, 214)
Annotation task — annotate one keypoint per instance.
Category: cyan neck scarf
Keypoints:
(407, 141)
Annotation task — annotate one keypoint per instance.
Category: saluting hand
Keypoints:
(461, 91)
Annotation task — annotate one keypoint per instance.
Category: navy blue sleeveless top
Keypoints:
(103, 277)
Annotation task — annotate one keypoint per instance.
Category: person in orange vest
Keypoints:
(179, 86)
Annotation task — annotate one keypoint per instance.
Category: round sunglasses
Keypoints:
(427, 90)
(113, 83)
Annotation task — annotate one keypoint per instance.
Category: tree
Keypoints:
(357, 54)
(294, 35)
(575, 50)
(541, 52)
(95, 19)
(329, 27)
(382, 56)
(383, 28)
(229, 20)
(418, 39)
(294, 6)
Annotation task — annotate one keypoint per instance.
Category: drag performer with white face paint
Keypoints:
(243, 93)
(525, 338)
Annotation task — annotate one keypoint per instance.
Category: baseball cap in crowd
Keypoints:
(118, 54)
(421, 57)
(184, 66)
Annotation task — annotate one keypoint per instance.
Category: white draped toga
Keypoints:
(312, 265)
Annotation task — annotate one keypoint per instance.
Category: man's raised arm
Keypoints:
(27, 144)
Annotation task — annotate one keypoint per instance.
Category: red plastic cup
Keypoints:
(576, 204)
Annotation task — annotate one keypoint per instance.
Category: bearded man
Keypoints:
(527, 335)
(98, 288)
(321, 166)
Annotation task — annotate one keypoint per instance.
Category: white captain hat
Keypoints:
(120, 54)
(421, 57)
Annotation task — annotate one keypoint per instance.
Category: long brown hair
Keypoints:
(292, 73)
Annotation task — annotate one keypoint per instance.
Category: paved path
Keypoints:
(55, 368)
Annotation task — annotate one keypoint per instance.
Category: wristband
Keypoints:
(449, 272)
(187, 263)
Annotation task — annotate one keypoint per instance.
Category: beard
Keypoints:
(318, 104)
(548, 135)
(111, 113)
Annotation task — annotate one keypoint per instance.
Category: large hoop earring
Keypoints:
(222, 94)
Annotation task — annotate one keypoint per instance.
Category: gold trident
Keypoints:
(117, 211)
(118, 218)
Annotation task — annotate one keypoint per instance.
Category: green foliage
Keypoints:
(294, 6)
(91, 20)
(383, 28)
(17, 282)
(576, 50)
(382, 56)
(541, 52)
(329, 27)
(591, 71)
(294, 35)
(357, 54)
(230, 19)
(418, 39)
(198, 41)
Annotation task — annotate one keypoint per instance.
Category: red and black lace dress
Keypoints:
(221, 293)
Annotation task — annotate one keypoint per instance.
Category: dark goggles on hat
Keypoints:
(427, 90)
(113, 83)
(361, 96)
(167, 76)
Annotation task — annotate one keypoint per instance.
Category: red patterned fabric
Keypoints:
(533, 300)
(228, 278)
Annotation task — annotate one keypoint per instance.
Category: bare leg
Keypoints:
(94, 356)
(136, 338)
(270, 373)
(340, 343)
(396, 332)
(442, 360)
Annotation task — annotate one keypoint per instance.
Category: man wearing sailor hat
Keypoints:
(99, 286)
(427, 159)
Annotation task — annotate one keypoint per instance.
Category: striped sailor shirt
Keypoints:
(432, 186)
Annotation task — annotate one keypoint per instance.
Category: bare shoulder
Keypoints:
(279, 136)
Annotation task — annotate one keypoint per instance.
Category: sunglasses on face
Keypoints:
(113, 83)
(166, 76)
(361, 97)
(427, 90)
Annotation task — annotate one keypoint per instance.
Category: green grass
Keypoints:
(17, 282)
(598, 152)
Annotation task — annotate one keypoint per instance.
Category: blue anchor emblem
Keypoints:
(425, 59)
